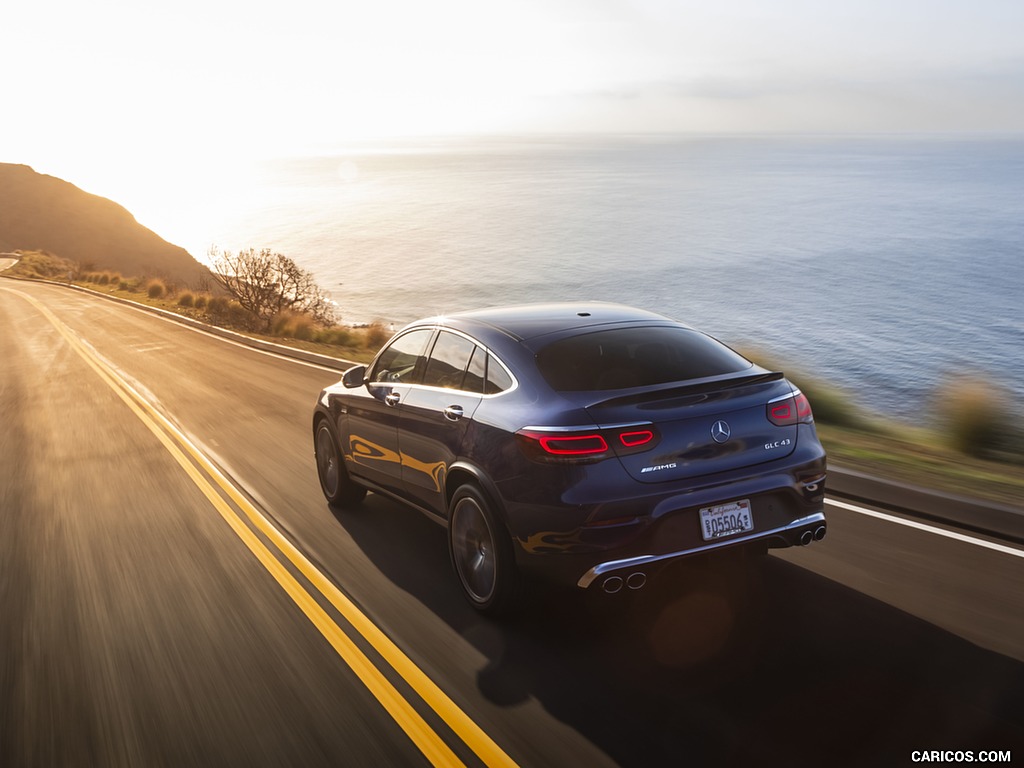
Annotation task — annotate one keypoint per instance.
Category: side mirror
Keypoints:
(354, 377)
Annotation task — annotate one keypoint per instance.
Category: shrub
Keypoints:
(296, 326)
(217, 306)
(124, 285)
(829, 404)
(974, 416)
(303, 328)
(230, 313)
(375, 336)
(186, 299)
(156, 289)
(201, 301)
(279, 325)
(340, 337)
(240, 317)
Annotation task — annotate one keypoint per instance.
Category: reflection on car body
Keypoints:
(587, 444)
(365, 452)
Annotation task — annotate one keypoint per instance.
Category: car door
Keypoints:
(436, 414)
(371, 423)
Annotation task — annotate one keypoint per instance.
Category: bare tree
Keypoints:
(267, 283)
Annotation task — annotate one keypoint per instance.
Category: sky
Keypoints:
(147, 101)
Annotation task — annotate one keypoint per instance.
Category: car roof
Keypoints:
(527, 321)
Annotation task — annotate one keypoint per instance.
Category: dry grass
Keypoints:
(294, 326)
(40, 264)
(921, 457)
(156, 289)
(337, 336)
(376, 335)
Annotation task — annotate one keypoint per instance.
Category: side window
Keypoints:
(476, 373)
(402, 361)
(447, 365)
(498, 379)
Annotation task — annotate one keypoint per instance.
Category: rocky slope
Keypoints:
(44, 213)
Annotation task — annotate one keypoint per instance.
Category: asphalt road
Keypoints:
(158, 611)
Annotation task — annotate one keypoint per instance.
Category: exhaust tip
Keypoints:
(819, 533)
(806, 538)
(612, 584)
(636, 580)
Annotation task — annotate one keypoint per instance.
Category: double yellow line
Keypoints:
(206, 476)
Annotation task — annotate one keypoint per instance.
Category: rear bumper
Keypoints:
(591, 531)
(800, 531)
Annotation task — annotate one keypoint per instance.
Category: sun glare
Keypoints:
(168, 112)
(184, 199)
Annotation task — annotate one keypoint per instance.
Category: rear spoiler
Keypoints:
(690, 388)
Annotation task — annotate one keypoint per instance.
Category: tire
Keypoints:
(339, 489)
(481, 553)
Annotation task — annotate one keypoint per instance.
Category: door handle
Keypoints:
(453, 412)
(392, 398)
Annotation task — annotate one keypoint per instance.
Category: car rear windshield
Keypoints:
(624, 358)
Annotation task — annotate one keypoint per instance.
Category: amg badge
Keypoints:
(658, 467)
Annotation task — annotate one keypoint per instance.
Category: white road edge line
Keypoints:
(929, 528)
(269, 353)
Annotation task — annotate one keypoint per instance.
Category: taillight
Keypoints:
(567, 445)
(573, 445)
(795, 409)
(636, 439)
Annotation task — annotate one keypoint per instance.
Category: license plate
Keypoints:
(726, 519)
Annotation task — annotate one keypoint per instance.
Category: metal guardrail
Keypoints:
(975, 515)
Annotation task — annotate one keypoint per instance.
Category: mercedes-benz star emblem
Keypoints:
(720, 431)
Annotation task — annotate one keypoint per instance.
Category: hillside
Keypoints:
(44, 213)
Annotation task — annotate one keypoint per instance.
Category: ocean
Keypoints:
(884, 265)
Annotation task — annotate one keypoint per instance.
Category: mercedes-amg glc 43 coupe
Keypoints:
(588, 444)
